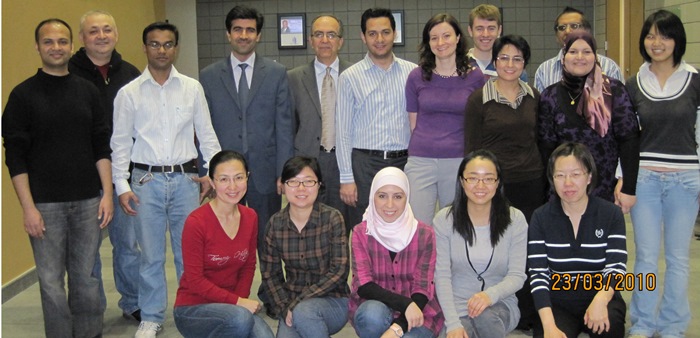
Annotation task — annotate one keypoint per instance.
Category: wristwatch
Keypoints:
(397, 330)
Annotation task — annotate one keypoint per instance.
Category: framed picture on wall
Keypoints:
(398, 37)
(292, 31)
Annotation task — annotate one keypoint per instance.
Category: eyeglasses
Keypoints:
(155, 45)
(574, 26)
(330, 35)
(485, 180)
(507, 58)
(296, 184)
(576, 175)
(226, 180)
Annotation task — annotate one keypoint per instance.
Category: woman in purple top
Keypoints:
(393, 263)
(590, 108)
(436, 94)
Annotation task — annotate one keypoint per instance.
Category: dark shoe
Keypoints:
(136, 315)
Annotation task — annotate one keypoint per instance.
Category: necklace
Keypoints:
(445, 76)
(573, 99)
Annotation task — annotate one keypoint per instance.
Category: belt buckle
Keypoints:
(170, 167)
(385, 153)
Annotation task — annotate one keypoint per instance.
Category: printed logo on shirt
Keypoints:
(241, 255)
(599, 233)
(218, 259)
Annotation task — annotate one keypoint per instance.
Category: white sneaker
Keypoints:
(147, 330)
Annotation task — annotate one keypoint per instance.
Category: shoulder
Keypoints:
(273, 66)
(298, 71)
(406, 66)
(130, 69)
(425, 230)
(517, 220)
(214, 67)
(415, 75)
(443, 221)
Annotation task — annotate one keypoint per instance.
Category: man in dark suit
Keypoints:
(251, 110)
(313, 123)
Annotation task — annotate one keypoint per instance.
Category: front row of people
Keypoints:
(456, 279)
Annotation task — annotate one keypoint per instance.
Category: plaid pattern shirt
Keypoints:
(316, 260)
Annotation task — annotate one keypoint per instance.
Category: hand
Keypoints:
(34, 223)
(280, 186)
(251, 305)
(124, 200)
(106, 210)
(596, 317)
(478, 303)
(457, 333)
(554, 332)
(348, 193)
(624, 201)
(288, 320)
(414, 316)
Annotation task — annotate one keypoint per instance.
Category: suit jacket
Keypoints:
(307, 108)
(263, 134)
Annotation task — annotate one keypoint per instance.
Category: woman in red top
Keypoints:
(219, 242)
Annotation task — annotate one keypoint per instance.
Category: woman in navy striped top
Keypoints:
(577, 253)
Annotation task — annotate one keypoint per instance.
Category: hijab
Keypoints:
(394, 236)
(596, 99)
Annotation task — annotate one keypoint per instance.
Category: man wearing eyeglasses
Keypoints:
(156, 117)
(314, 88)
(550, 71)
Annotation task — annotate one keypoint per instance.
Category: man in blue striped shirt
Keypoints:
(372, 129)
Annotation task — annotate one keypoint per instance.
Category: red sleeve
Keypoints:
(249, 228)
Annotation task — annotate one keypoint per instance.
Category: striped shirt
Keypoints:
(316, 259)
(550, 71)
(492, 94)
(599, 249)
(371, 110)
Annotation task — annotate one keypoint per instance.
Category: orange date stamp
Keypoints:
(598, 282)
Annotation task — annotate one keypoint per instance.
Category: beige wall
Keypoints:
(20, 61)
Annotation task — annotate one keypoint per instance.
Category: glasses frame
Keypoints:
(480, 180)
(300, 183)
(155, 45)
(574, 26)
(236, 179)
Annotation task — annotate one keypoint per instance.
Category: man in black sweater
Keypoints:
(99, 63)
(57, 151)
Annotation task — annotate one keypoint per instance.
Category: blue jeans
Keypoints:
(315, 317)
(219, 320)
(70, 244)
(667, 205)
(165, 201)
(373, 318)
(491, 323)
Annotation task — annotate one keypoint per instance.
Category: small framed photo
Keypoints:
(292, 31)
(398, 37)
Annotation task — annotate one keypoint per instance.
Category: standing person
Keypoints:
(57, 151)
(100, 63)
(502, 117)
(393, 265)
(252, 117)
(314, 89)
(493, 234)
(156, 117)
(485, 26)
(309, 293)
(372, 128)
(666, 95)
(550, 72)
(436, 94)
(219, 243)
(588, 107)
(574, 239)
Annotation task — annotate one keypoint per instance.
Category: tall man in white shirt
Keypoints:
(372, 128)
(156, 117)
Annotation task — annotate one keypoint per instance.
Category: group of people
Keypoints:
(372, 149)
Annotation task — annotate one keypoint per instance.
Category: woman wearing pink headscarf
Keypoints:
(393, 293)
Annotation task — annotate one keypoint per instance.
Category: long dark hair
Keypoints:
(427, 58)
(499, 218)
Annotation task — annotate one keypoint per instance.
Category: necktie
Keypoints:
(328, 96)
(243, 87)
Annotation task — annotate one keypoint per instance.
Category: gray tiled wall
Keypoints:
(531, 19)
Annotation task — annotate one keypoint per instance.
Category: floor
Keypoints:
(22, 316)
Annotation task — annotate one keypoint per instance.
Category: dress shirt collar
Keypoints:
(146, 76)
(321, 68)
(675, 84)
(492, 94)
(367, 63)
(250, 61)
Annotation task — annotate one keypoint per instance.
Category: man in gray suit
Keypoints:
(251, 110)
(314, 108)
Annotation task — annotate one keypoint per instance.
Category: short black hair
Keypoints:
(668, 25)
(373, 13)
(161, 26)
(244, 12)
(516, 41)
(296, 164)
(568, 10)
(223, 157)
(582, 154)
(52, 20)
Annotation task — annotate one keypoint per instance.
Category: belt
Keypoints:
(323, 149)
(384, 153)
(187, 167)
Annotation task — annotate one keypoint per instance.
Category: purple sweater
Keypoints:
(440, 103)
